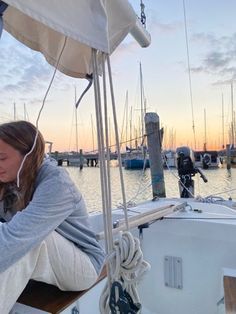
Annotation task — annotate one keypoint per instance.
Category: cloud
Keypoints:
(129, 46)
(216, 60)
(166, 27)
(218, 57)
(205, 39)
(24, 71)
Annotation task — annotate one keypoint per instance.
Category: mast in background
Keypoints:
(26, 116)
(232, 114)
(223, 128)
(14, 111)
(205, 136)
(76, 126)
(141, 99)
(92, 127)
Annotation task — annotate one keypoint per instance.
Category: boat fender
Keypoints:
(206, 160)
(121, 302)
(116, 224)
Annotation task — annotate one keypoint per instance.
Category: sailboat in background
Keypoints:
(137, 158)
(206, 158)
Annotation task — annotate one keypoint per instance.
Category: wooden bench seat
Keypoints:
(230, 294)
(49, 298)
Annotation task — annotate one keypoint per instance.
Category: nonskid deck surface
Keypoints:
(193, 209)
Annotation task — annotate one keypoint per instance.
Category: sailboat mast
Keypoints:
(232, 112)
(24, 112)
(130, 131)
(14, 111)
(141, 98)
(76, 126)
(223, 129)
(126, 117)
(205, 137)
(92, 131)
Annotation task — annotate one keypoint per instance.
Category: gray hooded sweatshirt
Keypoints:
(57, 205)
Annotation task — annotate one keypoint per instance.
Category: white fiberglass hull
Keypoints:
(188, 250)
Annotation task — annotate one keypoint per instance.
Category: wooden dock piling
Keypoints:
(81, 159)
(228, 156)
(155, 158)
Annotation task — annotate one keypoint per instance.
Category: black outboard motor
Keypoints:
(187, 170)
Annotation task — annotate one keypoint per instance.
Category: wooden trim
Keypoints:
(142, 218)
(230, 294)
(49, 298)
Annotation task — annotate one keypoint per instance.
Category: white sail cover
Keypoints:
(43, 25)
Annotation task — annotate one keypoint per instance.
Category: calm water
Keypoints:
(221, 182)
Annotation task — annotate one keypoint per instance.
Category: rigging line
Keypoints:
(39, 114)
(100, 139)
(131, 140)
(226, 191)
(52, 79)
(189, 74)
(202, 218)
(117, 140)
(140, 183)
(132, 199)
(101, 149)
(106, 138)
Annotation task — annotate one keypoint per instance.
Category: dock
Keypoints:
(78, 159)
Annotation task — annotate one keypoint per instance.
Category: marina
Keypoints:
(221, 182)
(158, 240)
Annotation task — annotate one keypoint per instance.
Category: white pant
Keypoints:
(56, 261)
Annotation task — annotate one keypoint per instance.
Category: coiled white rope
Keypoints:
(127, 267)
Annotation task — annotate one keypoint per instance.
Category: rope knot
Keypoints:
(126, 268)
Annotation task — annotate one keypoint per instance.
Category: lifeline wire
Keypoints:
(39, 114)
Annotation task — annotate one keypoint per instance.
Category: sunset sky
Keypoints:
(211, 27)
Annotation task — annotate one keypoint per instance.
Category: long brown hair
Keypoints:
(21, 135)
